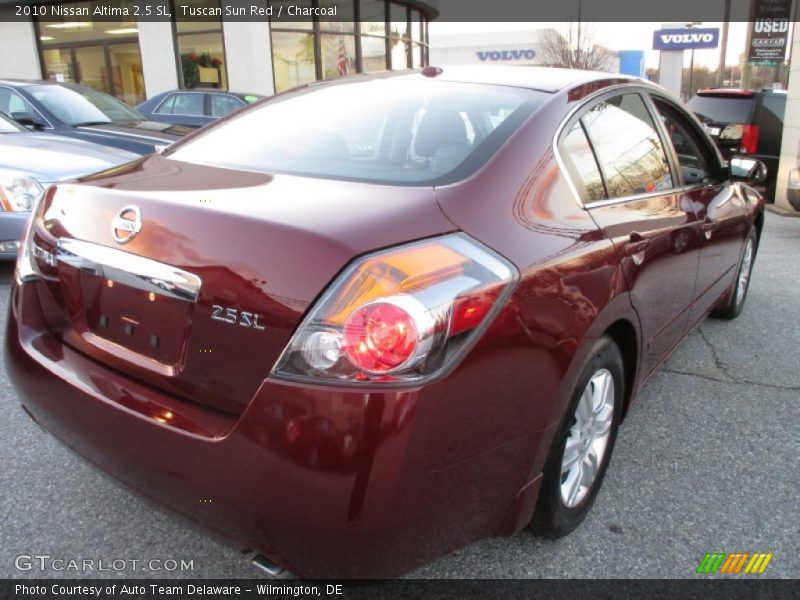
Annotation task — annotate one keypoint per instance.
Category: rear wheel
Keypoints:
(736, 302)
(582, 449)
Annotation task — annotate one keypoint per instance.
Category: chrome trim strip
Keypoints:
(129, 269)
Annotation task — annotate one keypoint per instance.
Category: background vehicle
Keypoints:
(29, 162)
(426, 302)
(745, 122)
(82, 113)
(194, 108)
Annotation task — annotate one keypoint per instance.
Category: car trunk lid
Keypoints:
(193, 278)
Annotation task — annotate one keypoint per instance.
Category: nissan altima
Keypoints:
(367, 322)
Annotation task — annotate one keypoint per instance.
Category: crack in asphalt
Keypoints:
(734, 381)
(723, 368)
(717, 360)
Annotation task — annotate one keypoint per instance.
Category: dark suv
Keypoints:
(745, 122)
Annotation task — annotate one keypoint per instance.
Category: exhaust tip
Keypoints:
(270, 568)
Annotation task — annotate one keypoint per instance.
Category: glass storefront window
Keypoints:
(102, 55)
(126, 72)
(293, 59)
(322, 49)
(399, 38)
(373, 54)
(202, 60)
(201, 50)
(338, 55)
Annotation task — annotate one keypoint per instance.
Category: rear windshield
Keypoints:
(720, 109)
(393, 131)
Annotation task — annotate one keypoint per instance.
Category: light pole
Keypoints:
(691, 61)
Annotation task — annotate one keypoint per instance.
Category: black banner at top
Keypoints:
(280, 11)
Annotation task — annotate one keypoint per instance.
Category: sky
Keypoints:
(616, 36)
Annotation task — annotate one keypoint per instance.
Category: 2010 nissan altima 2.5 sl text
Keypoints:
(367, 322)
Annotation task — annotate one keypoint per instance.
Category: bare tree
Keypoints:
(576, 48)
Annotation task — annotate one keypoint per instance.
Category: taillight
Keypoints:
(400, 316)
(27, 269)
(749, 139)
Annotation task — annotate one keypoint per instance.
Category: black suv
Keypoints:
(745, 122)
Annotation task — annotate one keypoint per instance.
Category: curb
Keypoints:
(782, 211)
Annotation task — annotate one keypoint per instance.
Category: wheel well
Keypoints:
(624, 336)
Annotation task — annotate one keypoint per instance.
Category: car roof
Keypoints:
(545, 79)
(25, 82)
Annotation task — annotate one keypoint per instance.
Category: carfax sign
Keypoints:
(685, 39)
(769, 30)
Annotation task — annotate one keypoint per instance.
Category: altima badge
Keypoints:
(126, 224)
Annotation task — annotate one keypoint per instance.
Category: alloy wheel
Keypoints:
(588, 438)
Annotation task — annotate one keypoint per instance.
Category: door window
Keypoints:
(13, 105)
(695, 158)
(628, 147)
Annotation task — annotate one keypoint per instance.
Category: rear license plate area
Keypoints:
(145, 323)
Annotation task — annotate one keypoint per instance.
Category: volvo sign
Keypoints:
(685, 39)
(503, 55)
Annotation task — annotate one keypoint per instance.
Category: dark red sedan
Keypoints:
(367, 322)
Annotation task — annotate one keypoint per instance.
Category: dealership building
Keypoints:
(134, 58)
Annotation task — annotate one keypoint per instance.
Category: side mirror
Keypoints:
(27, 120)
(749, 170)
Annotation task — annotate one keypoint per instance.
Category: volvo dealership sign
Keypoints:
(505, 55)
(686, 39)
(769, 30)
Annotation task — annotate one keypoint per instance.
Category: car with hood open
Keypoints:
(409, 314)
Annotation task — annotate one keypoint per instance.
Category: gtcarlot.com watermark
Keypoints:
(47, 563)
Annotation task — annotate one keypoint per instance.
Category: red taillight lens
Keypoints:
(380, 337)
(749, 139)
(399, 316)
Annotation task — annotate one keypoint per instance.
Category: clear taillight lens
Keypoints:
(26, 269)
(400, 316)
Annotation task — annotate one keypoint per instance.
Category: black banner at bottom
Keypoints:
(253, 589)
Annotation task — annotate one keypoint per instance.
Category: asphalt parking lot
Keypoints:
(707, 461)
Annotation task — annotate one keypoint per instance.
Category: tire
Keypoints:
(563, 502)
(739, 293)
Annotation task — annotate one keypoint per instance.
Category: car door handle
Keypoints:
(708, 225)
(636, 243)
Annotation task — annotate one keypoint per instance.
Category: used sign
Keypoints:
(769, 30)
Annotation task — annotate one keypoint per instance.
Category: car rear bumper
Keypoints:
(376, 487)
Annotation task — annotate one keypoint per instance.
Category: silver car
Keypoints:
(29, 162)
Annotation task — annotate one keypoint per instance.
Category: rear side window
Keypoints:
(581, 164)
(395, 131)
(775, 104)
(222, 105)
(183, 104)
(721, 109)
(628, 147)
